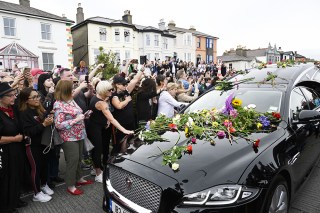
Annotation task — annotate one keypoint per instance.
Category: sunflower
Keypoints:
(236, 102)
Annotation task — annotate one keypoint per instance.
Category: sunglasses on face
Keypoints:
(110, 90)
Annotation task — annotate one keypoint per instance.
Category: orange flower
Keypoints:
(173, 126)
(232, 129)
(189, 149)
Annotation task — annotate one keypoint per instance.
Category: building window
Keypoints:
(47, 59)
(117, 55)
(187, 57)
(165, 43)
(46, 31)
(126, 35)
(230, 66)
(9, 26)
(210, 43)
(148, 56)
(103, 34)
(187, 39)
(198, 42)
(96, 52)
(156, 40)
(156, 56)
(127, 54)
(117, 34)
(147, 39)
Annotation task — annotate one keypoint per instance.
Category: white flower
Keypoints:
(141, 136)
(245, 108)
(252, 106)
(176, 119)
(190, 122)
(175, 166)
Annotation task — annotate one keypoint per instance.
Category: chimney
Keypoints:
(25, 3)
(192, 28)
(171, 24)
(80, 14)
(127, 17)
(162, 24)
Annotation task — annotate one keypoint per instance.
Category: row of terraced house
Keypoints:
(44, 40)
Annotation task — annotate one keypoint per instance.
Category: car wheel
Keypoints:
(278, 196)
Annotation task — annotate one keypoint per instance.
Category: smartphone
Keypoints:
(58, 66)
(87, 114)
(86, 78)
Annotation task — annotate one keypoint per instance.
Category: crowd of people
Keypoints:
(44, 112)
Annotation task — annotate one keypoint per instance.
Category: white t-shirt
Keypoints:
(167, 103)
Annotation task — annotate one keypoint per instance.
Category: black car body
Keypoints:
(261, 181)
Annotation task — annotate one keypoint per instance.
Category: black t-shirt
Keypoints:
(82, 101)
(97, 117)
(125, 115)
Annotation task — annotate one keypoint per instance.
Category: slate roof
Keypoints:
(110, 22)
(194, 32)
(256, 52)
(229, 58)
(17, 8)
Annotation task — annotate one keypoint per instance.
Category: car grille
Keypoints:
(141, 192)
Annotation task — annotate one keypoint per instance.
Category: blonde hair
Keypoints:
(63, 90)
(171, 86)
(103, 87)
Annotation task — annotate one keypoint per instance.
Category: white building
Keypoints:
(126, 40)
(45, 35)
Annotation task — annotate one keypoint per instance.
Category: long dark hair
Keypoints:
(148, 85)
(24, 97)
(42, 78)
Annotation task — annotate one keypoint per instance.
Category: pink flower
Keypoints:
(234, 113)
(221, 134)
(193, 140)
(227, 123)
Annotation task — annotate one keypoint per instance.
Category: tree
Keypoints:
(109, 60)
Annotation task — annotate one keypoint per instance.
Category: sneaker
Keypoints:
(47, 190)
(99, 178)
(85, 166)
(93, 172)
(41, 197)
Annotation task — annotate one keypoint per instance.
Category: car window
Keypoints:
(312, 97)
(265, 100)
(297, 103)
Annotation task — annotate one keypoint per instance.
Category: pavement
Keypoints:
(307, 200)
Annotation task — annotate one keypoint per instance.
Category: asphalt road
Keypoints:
(307, 200)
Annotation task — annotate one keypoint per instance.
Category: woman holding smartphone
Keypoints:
(34, 123)
(99, 132)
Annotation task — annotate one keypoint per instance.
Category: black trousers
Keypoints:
(118, 136)
(100, 138)
(11, 179)
(39, 166)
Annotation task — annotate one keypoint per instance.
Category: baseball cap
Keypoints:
(118, 79)
(36, 71)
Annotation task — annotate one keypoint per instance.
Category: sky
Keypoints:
(290, 24)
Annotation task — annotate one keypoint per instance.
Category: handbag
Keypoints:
(88, 146)
(46, 138)
(57, 140)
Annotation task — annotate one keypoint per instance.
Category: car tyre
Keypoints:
(278, 197)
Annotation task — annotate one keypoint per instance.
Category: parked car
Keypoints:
(224, 177)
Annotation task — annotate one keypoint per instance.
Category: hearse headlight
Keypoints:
(219, 195)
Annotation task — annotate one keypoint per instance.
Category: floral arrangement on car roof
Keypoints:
(233, 122)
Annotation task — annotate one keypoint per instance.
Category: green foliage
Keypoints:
(111, 67)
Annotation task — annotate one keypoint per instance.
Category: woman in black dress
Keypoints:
(12, 151)
(98, 132)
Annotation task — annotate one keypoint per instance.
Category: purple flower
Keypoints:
(221, 134)
(228, 107)
(147, 126)
(264, 121)
(234, 113)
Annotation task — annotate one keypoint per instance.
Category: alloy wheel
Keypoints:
(279, 202)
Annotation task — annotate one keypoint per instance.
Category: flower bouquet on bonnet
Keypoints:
(234, 121)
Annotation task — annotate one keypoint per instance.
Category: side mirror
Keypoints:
(308, 116)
